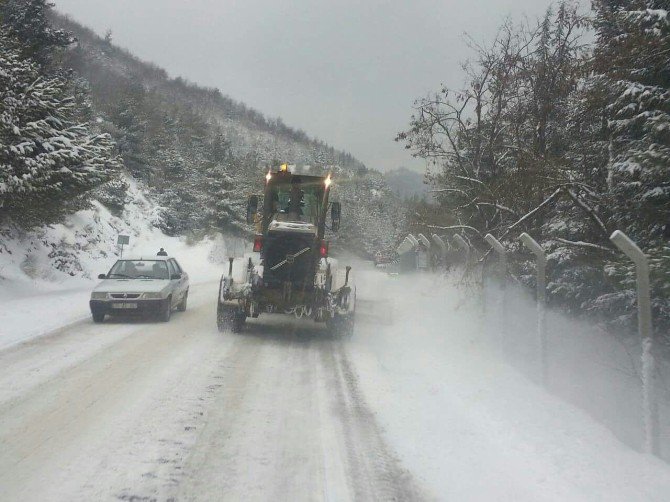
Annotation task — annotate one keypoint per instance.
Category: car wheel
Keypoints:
(182, 305)
(167, 310)
(98, 317)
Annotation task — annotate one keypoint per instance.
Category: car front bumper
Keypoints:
(127, 307)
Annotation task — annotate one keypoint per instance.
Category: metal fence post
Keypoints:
(415, 242)
(502, 254)
(470, 259)
(649, 404)
(502, 271)
(541, 260)
(423, 252)
(461, 243)
(422, 238)
(440, 243)
(404, 247)
(442, 246)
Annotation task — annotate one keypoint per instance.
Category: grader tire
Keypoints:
(229, 318)
(341, 325)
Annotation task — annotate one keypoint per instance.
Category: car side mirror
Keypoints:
(252, 208)
(176, 276)
(102, 276)
(335, 216)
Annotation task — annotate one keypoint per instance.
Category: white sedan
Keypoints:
(141, 286)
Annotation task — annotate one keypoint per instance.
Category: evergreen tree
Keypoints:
(48, 156)
(28, 22)
(631, 61)
(633, 81)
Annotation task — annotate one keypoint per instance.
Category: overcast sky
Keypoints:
(345, 71)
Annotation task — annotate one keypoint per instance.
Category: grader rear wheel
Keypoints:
(341, 325)
(230, 318)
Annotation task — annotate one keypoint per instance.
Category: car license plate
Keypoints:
(124, 305)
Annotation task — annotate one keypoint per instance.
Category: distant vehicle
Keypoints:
(153, 286)
(290, 271)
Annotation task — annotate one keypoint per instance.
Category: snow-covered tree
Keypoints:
(48, 156)
(566, 141)
(201, 153)
(113, 195)
(633, 77)
(373, 217)
(498, 145)
(632, 64)
(28, 22)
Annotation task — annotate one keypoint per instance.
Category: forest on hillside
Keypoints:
(562, 130)
(80, 115)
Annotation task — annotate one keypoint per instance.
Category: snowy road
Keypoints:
(414, 407)
(138, 411)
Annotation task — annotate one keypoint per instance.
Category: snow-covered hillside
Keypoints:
(200, 153)
(46, 274)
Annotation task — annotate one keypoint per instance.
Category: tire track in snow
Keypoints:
(375, 473)
(181, 412)
(115, 423)
(290, 423)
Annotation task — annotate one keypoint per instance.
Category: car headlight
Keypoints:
(152, 296)
(98, 296)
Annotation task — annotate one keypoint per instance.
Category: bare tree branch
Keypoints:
(590, 212)
(583, 244)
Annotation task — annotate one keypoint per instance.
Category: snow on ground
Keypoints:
(46, 275)
(462, 422)
(469, 426)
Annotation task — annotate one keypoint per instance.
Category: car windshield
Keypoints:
(139, 269)
(296, 202)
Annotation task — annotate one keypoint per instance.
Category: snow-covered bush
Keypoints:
(113, 195)
(372, 215)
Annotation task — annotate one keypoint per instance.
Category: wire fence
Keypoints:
(621, 381)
